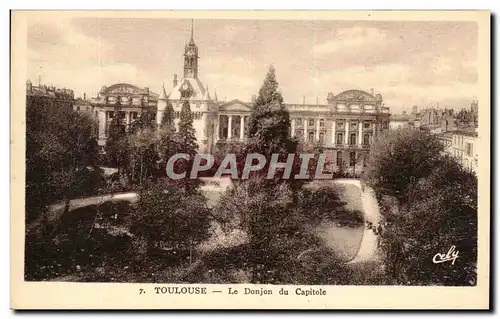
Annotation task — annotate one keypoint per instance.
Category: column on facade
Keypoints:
(229, 127)
(217, 128)
(346, 132)
(103, 122)
(317, 130)
(374, 130)
(242, 127)
(127, 119)
(334, 140)
(292, 133)
(360, 133)
(305, 135)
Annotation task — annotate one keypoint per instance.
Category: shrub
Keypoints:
(280, 230)
(172, 221)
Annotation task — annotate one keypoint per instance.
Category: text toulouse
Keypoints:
(246, 291)
(253, 162)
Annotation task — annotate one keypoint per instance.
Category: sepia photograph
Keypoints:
(181, 152)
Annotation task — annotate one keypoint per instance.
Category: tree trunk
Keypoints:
(140, 177)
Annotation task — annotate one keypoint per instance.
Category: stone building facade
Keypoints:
(344, 126)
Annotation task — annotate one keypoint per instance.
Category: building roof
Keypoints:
(124, 89)
(469, 131)
(400, 117)
(355, 95)
(194, 84)
(445, 135)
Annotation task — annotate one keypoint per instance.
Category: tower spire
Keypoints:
(192, 27)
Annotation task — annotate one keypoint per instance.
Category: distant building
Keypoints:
(447, 139)
(464, 147)
(49, 95)
(400, 121)
(132, 101)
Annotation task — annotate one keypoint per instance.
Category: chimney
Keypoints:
(317, 100)
(84, 96)
(254, 98)
(304, 100)
(175, 79)
(372, 91)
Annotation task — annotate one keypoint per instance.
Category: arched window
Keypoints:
(340, 138)
(366, 139)
(352, 139)
(321, 138)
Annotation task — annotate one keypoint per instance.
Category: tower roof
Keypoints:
(191, 40)
(163, 94)
(194, 84)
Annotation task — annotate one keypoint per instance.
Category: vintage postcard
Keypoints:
(250, 160)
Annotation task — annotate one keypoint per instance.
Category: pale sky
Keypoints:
(422, 63)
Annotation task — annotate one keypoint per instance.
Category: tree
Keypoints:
(145, 121)
(269, 124)
(61, 156)
(167, 143)
(280, 230)
(143, 154)
(117, 143)
(186, 143)
(167, 121)
(171, 219)
(428, 203)
(186, 133)
(399, 158)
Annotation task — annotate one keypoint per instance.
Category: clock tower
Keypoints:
(191, 58)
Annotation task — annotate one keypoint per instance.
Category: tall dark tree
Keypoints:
(186, 133)
(167, 138)
(269, 124)
(186, 143)
(167, 121)
(146, 120)
(116, 143)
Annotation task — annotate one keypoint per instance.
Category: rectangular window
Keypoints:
(352, 159)
(339, 158)
(310, 138)
(321, 138)
(340, 138)
(352, 139)
(468, 147)
(366, 139)
(354, 125)
(321, 123)
(366, 125)
(311, 122)
(298, 121)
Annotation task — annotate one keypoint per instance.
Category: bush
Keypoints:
(430, 207)
(172, 221)
(281, 232)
